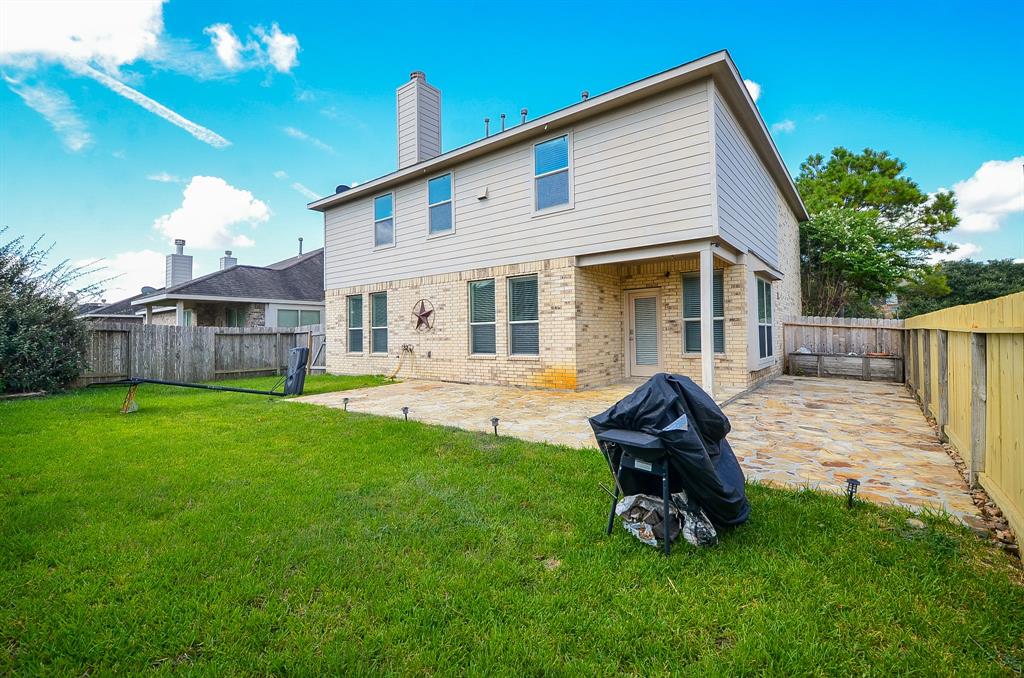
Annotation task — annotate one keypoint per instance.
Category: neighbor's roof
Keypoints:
(117, 309)
(299, 278)
(718, 66)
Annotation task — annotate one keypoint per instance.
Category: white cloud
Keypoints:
(281, 174)
(124, 274)
(165, 178)
(282, 48)
(109, 33)
(784, 126)
(207, 136)
(994, 192)
(1019, 260)
(754, 89)
(299, 134)
(57, 109)
(963, 251)
(305, 191)
(210, 211)
(226, 44)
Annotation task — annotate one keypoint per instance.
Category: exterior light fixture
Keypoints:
(851, 491)
(405, 412)
(494, 423)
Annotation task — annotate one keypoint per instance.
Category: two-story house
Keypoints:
(651, 228)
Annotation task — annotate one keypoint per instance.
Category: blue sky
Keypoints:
(113, 146)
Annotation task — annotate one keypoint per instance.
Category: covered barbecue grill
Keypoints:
(668, 436)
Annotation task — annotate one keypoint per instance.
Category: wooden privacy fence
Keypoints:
(862, 348)
(116, 351)
(966, 368)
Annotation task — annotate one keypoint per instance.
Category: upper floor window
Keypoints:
(765, 348)
(551, 173)
(439, 200)
(384, 220)
(523, 326)
(691, 312)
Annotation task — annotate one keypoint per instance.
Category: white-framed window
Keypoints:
(440, 206)
(765, 344)
(354, 323)
(293, 317)
(186, 318)
(691, 312)
(482, 322)
(523, 325)
(379, 322)
(551, 180)
(384, 220)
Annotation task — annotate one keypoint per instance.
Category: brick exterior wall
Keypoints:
(582, 326)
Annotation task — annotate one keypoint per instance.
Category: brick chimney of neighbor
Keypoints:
(419, 120)
(179, 265)
(227, 261)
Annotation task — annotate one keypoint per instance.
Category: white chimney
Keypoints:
(179, 265)
(419, 121)
(227, 261)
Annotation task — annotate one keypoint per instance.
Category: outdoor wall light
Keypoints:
(851, 491)
(405, 412)
(494, 423)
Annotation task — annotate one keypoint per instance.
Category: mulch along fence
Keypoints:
(859, 348)
(117, 351)
(966, 368)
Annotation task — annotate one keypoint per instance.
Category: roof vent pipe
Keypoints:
(502, 122)
(585, 95)
(487, 127)
(300, 245)
(522, 112)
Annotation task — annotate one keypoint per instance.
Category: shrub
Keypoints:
(42, 344)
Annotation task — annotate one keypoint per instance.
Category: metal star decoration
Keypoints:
(423, 315)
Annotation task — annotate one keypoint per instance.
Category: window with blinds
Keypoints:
(482, 318)
(379, 322)
(551, 173)
(691, 312)
(287, 317)
(384, 220)
(355, 323)
(439, 205)
(764, 319)
(523, 326)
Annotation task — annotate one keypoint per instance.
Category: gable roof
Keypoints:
(299, 278)
(718, 65)
(121, 308)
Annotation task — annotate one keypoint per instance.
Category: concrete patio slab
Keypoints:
(795, 431)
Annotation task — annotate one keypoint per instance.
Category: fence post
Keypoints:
(926, 378)
(912, 380)
(979, 400)
(942, 416)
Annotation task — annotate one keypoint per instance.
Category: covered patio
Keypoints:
(794, 431)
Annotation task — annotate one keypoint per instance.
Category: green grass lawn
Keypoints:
(223, 533)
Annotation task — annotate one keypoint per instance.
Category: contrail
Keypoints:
(198, 131)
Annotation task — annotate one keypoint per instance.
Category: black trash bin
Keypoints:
(670, 424)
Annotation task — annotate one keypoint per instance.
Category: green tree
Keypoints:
(42, 344)
(952, 283)
(871, 228)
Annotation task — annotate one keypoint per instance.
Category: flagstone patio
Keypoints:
(794, 431)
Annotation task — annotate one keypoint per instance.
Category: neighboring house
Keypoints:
(652, 228)
(118, 312)
(284, 294)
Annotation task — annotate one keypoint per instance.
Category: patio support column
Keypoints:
(707, 309)
(179, 315)
(149, 314)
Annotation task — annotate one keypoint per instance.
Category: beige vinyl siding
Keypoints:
(748, 205)
(641, 176)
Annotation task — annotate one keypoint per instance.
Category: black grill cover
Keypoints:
(701, 462)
